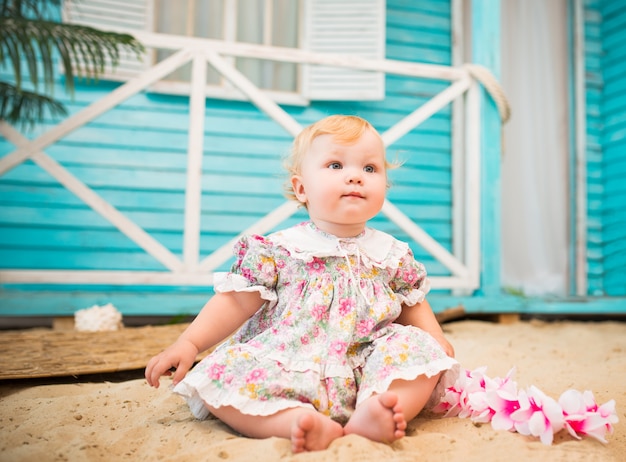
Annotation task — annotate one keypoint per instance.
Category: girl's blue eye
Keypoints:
(334, 165)
(369, 169)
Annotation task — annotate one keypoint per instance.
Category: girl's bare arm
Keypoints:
(219, 318)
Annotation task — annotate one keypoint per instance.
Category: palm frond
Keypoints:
(25, 107)
(82, 50)
(30, 34)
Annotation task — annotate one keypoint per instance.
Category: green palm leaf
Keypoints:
(26, 107)
(30, 39)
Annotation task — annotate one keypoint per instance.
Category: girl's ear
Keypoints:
(298, 188)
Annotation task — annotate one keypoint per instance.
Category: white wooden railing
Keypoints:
(191, 270)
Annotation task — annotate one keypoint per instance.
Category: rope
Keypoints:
(486, 78)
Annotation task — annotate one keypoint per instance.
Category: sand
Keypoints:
(128, 420)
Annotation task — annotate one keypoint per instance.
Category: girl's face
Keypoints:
(342, 185)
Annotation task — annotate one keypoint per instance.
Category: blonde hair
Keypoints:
(345, 129)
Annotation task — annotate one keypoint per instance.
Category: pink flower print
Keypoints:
(338, 348)
(584, 417)
(364, 327)
(316, 266)
(315, 332)
(538, 415)
(248, 274)
(266, 267)
(215, 371)
(305, 340)
(384, 372)
(346, 306)
(319, 312)
(410, 276)
(256, 375)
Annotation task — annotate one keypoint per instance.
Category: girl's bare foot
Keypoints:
(379, 418)
(313, 432)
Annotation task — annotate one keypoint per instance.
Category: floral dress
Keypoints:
(325, 336)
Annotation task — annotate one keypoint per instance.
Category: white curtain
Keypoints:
(207, 18)
(535, 199)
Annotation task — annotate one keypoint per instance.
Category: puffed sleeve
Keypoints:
(409, 281)
(254, 270)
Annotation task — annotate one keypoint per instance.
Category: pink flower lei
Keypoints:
(529, 412)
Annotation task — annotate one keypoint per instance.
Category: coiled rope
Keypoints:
(487, 79)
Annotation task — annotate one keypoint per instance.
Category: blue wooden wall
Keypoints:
(593, 76)
(605, 55)
(135, 157)
(614, 146)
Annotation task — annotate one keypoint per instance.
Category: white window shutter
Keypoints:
(353, 28)
(108, 14)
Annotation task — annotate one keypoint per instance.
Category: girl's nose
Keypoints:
(353, 176)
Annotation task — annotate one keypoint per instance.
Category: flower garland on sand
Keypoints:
(529, 412)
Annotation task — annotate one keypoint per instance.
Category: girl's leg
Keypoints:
(384, 417)
(308, 429)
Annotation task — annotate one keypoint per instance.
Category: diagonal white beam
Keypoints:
(426, 110)
(257, 97)
(262, 226)
(94, 110)
(425, 240)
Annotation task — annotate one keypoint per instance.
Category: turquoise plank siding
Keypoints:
(595, 187)
(614, 146)
(134, 157)
(486, 29)
(605, 53)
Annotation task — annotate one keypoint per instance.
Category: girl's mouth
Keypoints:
(354, 194)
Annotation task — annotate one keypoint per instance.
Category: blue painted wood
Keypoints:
(613, 139)
(486, 52)
(188, 303)
(135, 157)
(594, 85)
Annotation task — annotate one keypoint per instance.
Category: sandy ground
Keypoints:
(128, 420)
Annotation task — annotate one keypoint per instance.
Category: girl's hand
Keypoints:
(180, 356)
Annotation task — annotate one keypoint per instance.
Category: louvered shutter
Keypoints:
(105, 14)
(353, 28)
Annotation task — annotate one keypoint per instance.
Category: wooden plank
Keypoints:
(48, 353)
(588, 51)
(422, 21)
(485, 51)
(613, 107)
(193, 190)
(128, 179)
(188, 301)
(16, 195)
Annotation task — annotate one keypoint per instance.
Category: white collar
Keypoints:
(306, 241)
